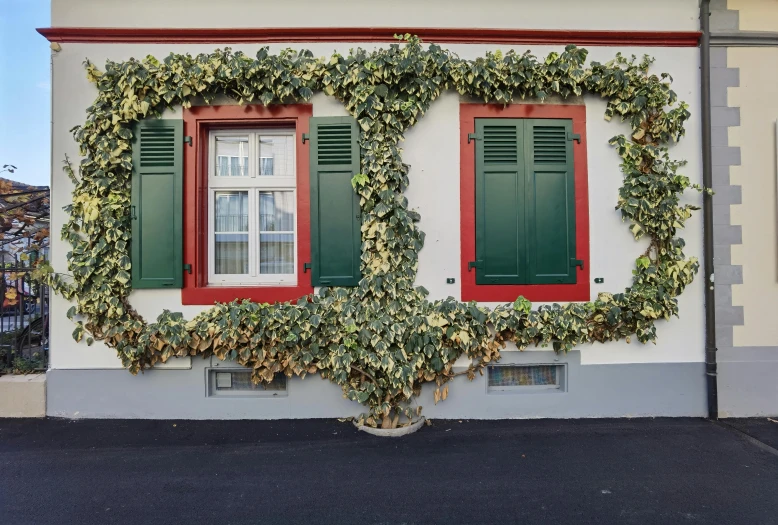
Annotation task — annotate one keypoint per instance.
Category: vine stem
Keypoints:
(357, 369)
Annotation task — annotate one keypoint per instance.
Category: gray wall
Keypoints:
(626, 390)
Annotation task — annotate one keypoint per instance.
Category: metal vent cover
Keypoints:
(526, 377)
(225, 382)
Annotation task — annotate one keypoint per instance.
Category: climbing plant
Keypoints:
(381, 341)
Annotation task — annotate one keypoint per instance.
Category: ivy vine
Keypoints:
(381, 341)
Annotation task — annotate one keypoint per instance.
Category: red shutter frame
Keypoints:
(534, 292)
(198, 121)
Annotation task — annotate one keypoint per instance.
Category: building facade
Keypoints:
(247, 175)
(744, 40)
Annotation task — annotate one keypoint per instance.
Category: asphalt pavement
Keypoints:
(640, 471)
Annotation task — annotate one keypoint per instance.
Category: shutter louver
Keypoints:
(334, 144)
(336, 237)
(158, 147)
(500, 144)
(550, 202)
(549, 144)
(156, 212)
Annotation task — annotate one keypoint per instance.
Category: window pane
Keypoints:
(276, 156)
(231, 241)
(232, 156)
(276, 250)
(276, 211)
(276, 253)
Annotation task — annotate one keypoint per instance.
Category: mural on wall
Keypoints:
(381, 340)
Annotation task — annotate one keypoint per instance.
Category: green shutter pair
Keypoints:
(157, 203)
(525, 202)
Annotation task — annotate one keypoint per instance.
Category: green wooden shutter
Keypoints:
(156, 212)
(336, 238)
(550, 201)
(499, 194)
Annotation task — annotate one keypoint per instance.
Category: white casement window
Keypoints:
(252, 207)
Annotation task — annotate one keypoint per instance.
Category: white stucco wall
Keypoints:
(619, 15)
(432, 150)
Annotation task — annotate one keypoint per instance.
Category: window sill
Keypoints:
(537, 293)
(208, 295)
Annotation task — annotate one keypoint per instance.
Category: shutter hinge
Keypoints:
(574, 136)
(473, 264)
(188, 268)
(306, 267)
(473, 136)
(188, 140)
(577, 262)
(306, 136)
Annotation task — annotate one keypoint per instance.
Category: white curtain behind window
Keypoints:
(232, 156)
(276, 237)
(232, 166)
(231, 246)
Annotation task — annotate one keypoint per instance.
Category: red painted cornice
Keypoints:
(368, 34)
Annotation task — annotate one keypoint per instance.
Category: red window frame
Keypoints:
(534, 292)
(198, 121)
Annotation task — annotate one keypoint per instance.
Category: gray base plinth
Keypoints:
(625, 390)
(747, 381)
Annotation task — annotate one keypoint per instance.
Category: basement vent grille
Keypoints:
(518, 378)
(225, 382)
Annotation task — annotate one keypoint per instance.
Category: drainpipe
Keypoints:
(707, 213)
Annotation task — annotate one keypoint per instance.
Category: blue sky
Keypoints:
(25, 90)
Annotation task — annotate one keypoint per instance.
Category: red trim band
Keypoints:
(198, 120)
(534, 292)
(369, 34)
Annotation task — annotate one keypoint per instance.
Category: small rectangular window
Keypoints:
(526, 378)
(252, 234)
